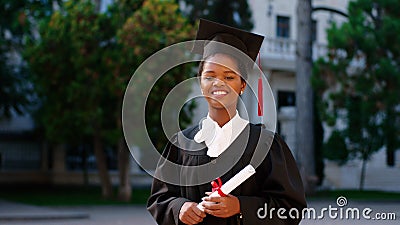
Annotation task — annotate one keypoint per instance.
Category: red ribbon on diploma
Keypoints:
(217, 187)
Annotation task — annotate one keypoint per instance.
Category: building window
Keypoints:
(81, 158)
(283, 26)
(314, 31)
(286, 98)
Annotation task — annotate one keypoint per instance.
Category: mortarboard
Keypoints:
(247, 42)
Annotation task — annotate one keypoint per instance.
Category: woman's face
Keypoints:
(220, 81)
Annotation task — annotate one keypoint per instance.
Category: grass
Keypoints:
(66, 195)
(78, 195)
(356, 195)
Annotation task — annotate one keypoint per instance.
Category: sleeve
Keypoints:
(281, 189)
(165, 202)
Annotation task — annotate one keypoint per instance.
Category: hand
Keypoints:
(221, 206)
(190, 214)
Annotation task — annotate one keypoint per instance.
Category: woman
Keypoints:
(228, 143)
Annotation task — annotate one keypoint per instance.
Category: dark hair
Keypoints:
(241, 66)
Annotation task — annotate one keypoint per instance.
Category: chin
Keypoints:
(221, 106)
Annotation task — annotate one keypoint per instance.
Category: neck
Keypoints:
(221, 116)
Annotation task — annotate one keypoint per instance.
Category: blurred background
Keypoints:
(333, 67)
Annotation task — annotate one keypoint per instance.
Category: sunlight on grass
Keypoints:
(78, 195)
(67, 195)
(357, 195)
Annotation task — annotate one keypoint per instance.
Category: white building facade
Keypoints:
(277, 21)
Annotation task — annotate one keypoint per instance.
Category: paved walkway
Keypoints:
(15, 213)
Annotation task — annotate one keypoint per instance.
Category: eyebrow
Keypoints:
(225, 72)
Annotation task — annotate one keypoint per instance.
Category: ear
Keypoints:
(243, 85)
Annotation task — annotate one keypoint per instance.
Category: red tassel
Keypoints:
(260, 97)
(260, 89)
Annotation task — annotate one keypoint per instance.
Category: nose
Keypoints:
(218, 82)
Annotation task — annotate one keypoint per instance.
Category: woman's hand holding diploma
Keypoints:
(221, 206)
(190, 214)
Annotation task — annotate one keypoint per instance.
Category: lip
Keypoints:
(219, 93)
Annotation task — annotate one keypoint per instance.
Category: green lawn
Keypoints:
(66, 195)
(357, 195)
(78, 195)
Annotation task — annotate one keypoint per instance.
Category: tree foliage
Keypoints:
(16, 25)
(84, 59)
(232, 13)
(69, 72)
(157, 24)
(358, 81)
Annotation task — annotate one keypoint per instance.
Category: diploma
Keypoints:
(233, 183)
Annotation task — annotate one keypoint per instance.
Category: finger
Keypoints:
(212, 211)
(194, 216)
(214, 199)
(198, 212)
(190, 218)
(185, 220)
(218, 213)
(212, 206)
(189, 221)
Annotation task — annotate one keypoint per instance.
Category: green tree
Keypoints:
(121, 71)
(151, 26)
(15, 25)
(232, 13)
(82, 63)
(358, 81)
(157, 24)
(71, 78)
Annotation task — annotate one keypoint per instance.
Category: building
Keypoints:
(30, 161)
(276, 20)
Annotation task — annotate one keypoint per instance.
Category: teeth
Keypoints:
(219, 93)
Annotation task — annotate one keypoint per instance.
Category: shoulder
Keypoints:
(264, 132)
(270, 139)
(184, 140)
(189, 132)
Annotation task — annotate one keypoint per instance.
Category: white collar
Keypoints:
(217, 138)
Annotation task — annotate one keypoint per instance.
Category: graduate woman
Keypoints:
(222, 145)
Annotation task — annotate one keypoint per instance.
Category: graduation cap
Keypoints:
(243, 41)
(248, 43)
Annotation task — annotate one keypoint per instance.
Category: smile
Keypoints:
(219, 92)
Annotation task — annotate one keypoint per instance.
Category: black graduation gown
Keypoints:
(276, 182)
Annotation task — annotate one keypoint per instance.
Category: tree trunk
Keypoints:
(97, 4)
(85, 167)
(362, 177)
(125, 189)
(102, 166)
(391, 136)
(304, 96)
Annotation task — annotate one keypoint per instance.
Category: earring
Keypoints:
(241, 92)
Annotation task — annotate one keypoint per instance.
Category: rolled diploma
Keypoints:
(233, 183)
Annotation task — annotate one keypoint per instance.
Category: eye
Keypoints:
(229, 78)
(208, 78)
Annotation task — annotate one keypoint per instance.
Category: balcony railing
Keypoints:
(283, 48)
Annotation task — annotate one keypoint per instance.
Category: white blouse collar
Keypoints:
(217, 138)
